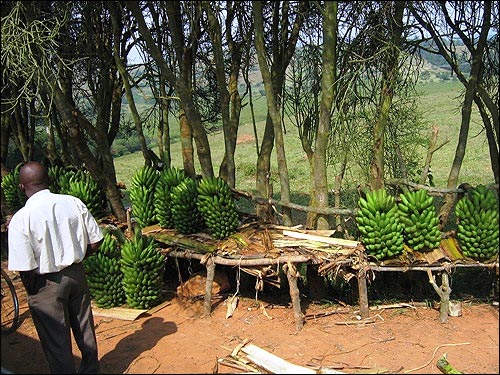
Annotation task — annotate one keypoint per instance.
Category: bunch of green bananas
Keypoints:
(216, 204)
(477, 227)
(142, 191)
(185, 215)
(83, 186)
(143, 267)
(420, 222)
(378, 222)
(55, 176)
(104, 274)
(14, 197)
(62, 178)
(169, 178)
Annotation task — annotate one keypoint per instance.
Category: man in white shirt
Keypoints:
(48, 239)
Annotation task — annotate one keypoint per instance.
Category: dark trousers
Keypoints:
(61, 306)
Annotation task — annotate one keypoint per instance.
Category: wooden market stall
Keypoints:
(259, 249)
(442, 260)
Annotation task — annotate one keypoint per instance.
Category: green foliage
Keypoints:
(425, 75)
(445, 76)
(123, 147)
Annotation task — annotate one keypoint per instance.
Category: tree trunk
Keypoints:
(5, 132)
(235, 51)
(263, 186)
(470, 93)
(337, 189)
(215, 32)
(327, 94)
(50, 149)
(164, 126)
(104, 174)
(187, 145)
(472, 84)
(272, 108)
(490, 136)
(21, 129)
(387, 93)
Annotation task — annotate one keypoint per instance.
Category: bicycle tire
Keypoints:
(10, 305)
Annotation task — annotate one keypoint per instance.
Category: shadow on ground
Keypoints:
(130, 348)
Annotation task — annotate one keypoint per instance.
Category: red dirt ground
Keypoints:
(178, 339)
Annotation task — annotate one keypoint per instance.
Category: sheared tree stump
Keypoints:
(207, 306)
(364, 309)
(444, 292)
(292, 275)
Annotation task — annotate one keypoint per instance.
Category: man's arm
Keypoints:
(92, 248)
(28, 279)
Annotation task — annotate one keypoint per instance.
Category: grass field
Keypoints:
(439, 102)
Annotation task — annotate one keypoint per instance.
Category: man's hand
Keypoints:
(92, 248)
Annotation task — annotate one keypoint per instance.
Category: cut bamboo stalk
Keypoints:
(329, 240)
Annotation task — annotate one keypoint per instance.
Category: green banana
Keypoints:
(477, 224)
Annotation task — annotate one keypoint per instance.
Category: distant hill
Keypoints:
(434, 68)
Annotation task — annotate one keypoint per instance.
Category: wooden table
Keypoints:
(257, 245)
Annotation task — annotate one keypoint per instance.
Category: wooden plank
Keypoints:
(125, 313)
(117, 312)
(329, 240)
(273, 363)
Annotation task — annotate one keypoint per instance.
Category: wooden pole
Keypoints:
(249, 262)
(363, 293)
(292, 275)
(207, 306)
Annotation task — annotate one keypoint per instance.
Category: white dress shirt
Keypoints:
(50, 232)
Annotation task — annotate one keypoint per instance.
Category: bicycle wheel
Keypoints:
(10, 305)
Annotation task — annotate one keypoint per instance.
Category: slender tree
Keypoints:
(389, 78)
(471, 23)
(329, 60)
(52, 59)
(184, 50)
(283, 29)
(228, 44)
(120, 61)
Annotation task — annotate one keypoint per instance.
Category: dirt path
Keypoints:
(177, 339)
